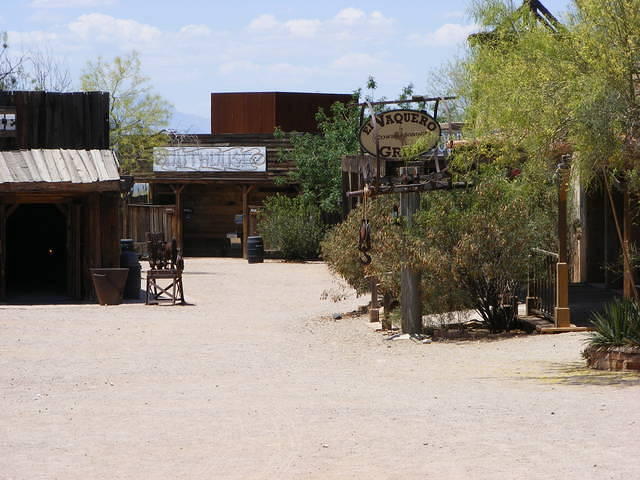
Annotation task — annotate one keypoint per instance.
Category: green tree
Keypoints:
(137, 116)
(547, 89)
(542, 89)
(318, 156)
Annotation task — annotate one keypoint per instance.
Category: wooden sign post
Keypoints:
(410, 293)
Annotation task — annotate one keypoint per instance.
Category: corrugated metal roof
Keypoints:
(58, 166)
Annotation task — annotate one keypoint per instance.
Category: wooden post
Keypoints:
(562, 314)
(410, 295)
(3, 255)
(95, 256)
(626, 243)
(179, 228)
(77, 250)
(246, 190)
(374, 312)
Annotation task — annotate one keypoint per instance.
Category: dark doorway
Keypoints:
(36, 251)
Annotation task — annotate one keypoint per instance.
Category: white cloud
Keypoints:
(303, 27)
(349, 16)
(195, 31)
(377, 19)
(263, 22)
(332, 53)
(449, 34)
(71, 3)
(105, 28)
(348, 23)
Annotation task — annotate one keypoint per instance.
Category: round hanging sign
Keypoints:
(399, 128)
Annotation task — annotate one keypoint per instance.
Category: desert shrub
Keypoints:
(340, 246)
(617, 325)
(481, 238)
(292, 226)
(470, 246)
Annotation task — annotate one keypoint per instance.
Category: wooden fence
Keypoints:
(140, 219)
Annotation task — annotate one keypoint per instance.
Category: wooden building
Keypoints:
(59, 193)
(218, 181)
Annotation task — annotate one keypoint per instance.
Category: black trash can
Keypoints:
(129, 259)
(255, 249)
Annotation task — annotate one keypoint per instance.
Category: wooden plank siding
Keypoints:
(58, 120)
(141, 219)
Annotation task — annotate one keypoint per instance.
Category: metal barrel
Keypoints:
(129, 259)
(255, 249)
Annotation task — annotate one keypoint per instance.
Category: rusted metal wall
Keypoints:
(57, 120)
(262, 112)
(297, 111)
(243, 113)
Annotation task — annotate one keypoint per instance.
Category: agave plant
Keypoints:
(617, 325)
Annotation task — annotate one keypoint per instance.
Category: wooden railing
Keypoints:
(542, 283)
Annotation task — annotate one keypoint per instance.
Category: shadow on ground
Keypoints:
(577, 373)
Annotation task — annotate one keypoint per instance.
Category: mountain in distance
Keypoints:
(189, 123)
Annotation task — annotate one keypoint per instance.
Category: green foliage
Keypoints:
(292, 226)
(539, 90)
(617, 325)
(318, 156)
(136, 114)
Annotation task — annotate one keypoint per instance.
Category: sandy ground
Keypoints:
(254, 381)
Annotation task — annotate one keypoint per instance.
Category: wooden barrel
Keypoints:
(255, 249)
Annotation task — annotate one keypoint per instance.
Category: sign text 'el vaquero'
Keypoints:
(399, 128)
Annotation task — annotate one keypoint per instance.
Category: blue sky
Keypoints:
(192, 48)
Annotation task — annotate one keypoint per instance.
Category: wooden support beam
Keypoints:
(562, 314)
(3, 253)
(179, 225)
(78, 274)
(95, 257)
(246, 190)
(629, 277)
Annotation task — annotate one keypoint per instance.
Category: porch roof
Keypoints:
(58, 169)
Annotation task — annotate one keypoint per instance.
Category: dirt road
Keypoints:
(254, 381)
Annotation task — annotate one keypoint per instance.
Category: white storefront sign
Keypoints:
(210, 159)
(395, 129)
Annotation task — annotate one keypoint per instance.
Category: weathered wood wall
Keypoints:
(141, 219)
(93, 234)
(58, 120)
(210, 213)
